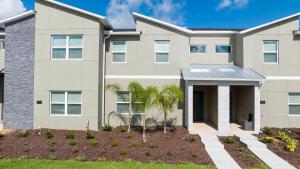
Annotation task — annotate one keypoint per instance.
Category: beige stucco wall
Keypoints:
(66, 75)
(244, 103)
(275, 92)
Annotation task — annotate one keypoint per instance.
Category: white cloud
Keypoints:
(233, 4)
(119, 11)
(10, 8)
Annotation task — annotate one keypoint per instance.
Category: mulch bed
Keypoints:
(172, 147)
(241, 154)
(277, 146)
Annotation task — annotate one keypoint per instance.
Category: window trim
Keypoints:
(2, 47)
(125, 52)
(222, 53)
(155, 61)
(67, 47)
(292, 104)
(277, 52)
(205, 45)
(65, 104)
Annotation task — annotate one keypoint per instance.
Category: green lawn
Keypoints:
(48, 164)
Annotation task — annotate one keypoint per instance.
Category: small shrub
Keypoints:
(49, 134)
(269, 131)
(241, 149)
(153, 146)
(173, 128)
(72, 143)
(94, 143)
(266, 139)
(122, 152)
(114, 144)
(107, 128)
(132, 145)
(228, 140)
(75, 150)
(128, 137)
(80, 158)
(70, 136)
(23, 133)
(101, 159)
(52, 156)
(138, 129)
(291, 144)
(169, 153)
(190, 139)
(147, 153)
(123, 130)
(51, 143)
(89, 135)
(248, 156)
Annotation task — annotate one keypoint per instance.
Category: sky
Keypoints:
(186, 13)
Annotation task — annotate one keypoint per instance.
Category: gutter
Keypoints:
(107, 35)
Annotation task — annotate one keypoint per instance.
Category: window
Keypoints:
(197, 49)
(223, 49)
(2, 44)
(162, 51)
(65, 103)
(270, 51)
(123, 103)
(294, 103)
(67, 47)
(119, 51)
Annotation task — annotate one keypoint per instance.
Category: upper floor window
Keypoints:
(119, 51)
(223, 49)
(2, 44)
(271, 51)
(294, 103)
(65, 103)
(67, 47)
(162, 51)
(197, 49)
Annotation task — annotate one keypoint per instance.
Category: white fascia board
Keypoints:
(101, 18)
(180, 28)
(283, 77)
(125, 33)
(2, 33)
(224, 79)
(269, 23)
(17, 17)
(161, 77)
(297, 32)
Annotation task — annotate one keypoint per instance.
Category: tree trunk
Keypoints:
(144, 130)
(129, 118)
(165, 123)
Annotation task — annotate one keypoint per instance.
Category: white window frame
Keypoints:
(65, 103)
(67, 47)
(292, 104)
(168, 52)
(124, 102)
(277, 50)
(205, 46)
(125, 52)
(222, 53)
(2, 41)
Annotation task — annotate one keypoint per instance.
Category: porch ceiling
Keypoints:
(220, 73)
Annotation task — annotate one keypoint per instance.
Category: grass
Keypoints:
(261, 166)
(49, 164)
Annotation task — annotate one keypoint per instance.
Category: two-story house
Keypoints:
(66, 55)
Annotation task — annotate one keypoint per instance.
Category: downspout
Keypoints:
(107, 35)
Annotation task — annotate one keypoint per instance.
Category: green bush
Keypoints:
(132, 145)
(138, 129)
(80, 158)
(51, 143)
(147, 153)
(89, 135)
(190, 139)
(173, 128)
(49, 134)
(75, 150)
(94, 143)
(72, 143)
(23, 133)
(153, 146)
(228, 140)
(107, 128)
(266, 139)
(114, 144)
(290, 144)
(128, 137)
(122, 152)
(70, 136)
(269, 131)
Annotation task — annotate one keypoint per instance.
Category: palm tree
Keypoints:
(166, 100)
(148, 100)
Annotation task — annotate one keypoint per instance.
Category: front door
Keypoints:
(198, 110)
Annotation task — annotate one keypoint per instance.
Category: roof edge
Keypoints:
(17, 17)
(270, 23)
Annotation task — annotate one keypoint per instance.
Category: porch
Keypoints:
(222, 94)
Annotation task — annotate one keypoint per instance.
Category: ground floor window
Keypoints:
(123, 103)
(294, 103)
(66, 103)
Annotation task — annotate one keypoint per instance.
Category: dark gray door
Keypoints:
(198, 110)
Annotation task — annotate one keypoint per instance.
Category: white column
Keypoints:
(189, 106)
(256, 109)
(223, 109)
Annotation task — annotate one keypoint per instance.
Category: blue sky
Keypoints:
(191, 13)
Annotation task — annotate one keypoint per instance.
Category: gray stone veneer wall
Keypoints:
(19, 74)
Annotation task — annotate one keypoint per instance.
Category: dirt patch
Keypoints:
(241, 154)
(173, 147)
(277, 146)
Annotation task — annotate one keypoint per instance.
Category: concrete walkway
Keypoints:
(262, 152)
(217, 153)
